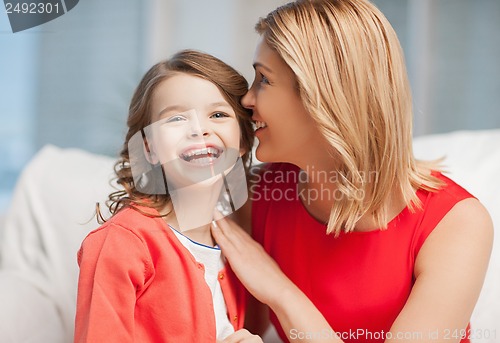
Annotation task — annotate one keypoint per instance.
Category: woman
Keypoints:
(370, 244)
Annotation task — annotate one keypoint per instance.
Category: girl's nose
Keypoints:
(199, 131)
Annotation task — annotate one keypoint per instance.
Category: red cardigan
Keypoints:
(138, 283)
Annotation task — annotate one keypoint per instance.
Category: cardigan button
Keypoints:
(235, 318)
(221, 276)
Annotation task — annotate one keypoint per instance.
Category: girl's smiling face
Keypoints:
(285, 130)
(195, 131)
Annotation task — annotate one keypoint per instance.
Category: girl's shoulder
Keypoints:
(127, 229)
(133, 219)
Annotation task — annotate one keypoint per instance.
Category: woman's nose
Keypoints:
(248, 99)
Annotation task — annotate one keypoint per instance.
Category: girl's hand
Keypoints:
(258, 272)
(242, 336)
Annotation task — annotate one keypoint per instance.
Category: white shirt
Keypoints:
(211, 258)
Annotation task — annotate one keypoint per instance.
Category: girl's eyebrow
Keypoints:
(171, 108)
(219, 104)
(178, 108)
(259, 64)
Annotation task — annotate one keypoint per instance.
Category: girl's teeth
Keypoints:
(203, 160)
(211, 153)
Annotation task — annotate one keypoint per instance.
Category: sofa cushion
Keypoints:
(50, 214)
(472, 159)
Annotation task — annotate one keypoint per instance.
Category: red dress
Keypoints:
(359, 281)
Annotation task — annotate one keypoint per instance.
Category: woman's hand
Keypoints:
(241, 336)
(262, 277)
(258, 272)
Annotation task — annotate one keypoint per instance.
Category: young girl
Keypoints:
(144, 277)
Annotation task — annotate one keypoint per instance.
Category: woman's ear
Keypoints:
(149, 152)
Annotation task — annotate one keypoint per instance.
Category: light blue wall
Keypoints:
(452, 50)
(17, 91)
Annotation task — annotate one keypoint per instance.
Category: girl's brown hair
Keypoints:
(232, 86)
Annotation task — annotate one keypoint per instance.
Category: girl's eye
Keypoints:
(219, 115)
(175, 119)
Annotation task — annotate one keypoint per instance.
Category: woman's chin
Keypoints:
(263, 154)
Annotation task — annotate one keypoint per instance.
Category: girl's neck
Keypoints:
(201, 234)
(191, 210)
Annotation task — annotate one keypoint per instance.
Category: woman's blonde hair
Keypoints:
(230, 83)
(351, 74)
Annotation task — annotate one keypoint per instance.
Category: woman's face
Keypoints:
(285, 130)
(195, 132)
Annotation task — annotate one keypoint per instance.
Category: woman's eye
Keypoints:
(219, 115)
(175, 119)
(264, 79)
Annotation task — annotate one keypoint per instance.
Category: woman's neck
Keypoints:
(319, 192)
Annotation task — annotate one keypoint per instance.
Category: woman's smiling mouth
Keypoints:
(257, 125)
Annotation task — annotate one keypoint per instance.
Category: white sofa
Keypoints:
(52, 211)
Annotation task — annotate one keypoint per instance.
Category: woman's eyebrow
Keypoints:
(260, 65)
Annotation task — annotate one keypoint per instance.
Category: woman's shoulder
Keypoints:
(466, 227)
(465, 209)
(436, 203)
(451, 266)
(452, 211)
(451, 188)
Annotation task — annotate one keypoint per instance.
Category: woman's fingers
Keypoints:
(242, 336)
(219, 235)
(230, 233)
(258, 272)
(223, 224)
